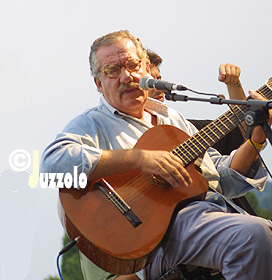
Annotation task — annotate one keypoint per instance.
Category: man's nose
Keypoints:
(125, 76)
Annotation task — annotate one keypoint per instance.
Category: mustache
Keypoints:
(123, 87)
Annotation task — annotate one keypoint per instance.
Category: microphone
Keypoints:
(147, 82)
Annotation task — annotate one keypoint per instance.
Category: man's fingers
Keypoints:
(229, 73)
(167, 166)
(222, 73)
(176, 174)
(255, 95)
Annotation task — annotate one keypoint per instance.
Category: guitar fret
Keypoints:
(207, 135)
(223, 124)
(192, 142)
(237, 112)
(190, 150)
(199, 141)
(190, 147)
(237, 108)
(223, 129)
(214, 133)
(203, 139)
(230, 120)
(264, 94)
(180, 153)
(219, 125)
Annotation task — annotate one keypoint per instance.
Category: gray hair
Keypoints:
(110, 39)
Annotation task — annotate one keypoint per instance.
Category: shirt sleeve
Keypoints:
(77, 146)
(140, 274)
(233, 183)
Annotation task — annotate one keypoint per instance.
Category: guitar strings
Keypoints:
(135, 188)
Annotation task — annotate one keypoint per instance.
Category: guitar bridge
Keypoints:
(118, 202)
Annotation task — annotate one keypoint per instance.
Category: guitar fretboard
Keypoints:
(192, 148)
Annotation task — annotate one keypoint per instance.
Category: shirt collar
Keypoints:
(152, 105)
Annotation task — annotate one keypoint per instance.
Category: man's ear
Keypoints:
(98, 84)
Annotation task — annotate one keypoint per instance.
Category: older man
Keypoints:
(99, 142)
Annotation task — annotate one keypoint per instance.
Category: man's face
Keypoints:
(123, 92)
(155, 73)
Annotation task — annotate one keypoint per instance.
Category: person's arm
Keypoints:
(78, 146)
(161, 163)
(246, 154)
(230, 75)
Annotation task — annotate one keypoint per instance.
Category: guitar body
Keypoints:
(106, 237)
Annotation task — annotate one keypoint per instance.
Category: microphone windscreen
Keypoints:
(144, 82)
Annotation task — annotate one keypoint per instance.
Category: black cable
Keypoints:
(204, 93)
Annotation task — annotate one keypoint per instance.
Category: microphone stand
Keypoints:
(257, 115)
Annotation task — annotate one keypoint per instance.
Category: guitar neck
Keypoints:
(192, 148)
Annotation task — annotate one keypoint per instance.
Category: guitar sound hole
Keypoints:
(157, 180)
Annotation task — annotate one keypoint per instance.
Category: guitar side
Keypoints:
(106, 237)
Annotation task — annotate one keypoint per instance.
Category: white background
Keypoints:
(45, 81)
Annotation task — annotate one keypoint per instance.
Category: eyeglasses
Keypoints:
(113, 71)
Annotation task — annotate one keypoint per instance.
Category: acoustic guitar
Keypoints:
(121, 219)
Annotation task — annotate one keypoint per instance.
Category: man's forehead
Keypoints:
(121, 49)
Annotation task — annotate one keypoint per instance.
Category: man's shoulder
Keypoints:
(87, 120)
(93, 112)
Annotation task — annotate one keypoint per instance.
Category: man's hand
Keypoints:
(229, 74)
(164, 164)
(258, 134)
